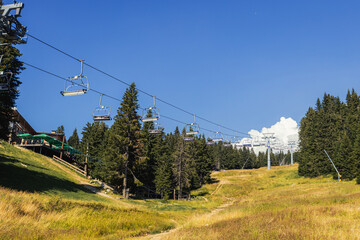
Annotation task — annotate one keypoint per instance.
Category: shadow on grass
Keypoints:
(23, 179)
(7, 159)
(213, 180)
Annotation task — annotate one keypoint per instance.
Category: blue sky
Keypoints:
(243, 64)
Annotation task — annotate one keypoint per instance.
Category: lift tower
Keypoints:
(268, 137)
(291, 144)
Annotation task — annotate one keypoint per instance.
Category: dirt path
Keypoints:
(213, 212)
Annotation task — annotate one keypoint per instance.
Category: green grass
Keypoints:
(27, 171)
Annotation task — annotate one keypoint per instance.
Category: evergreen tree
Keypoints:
(60, 129)
(10, 63)
(152, 150)
(74, 140)
(343, 159)
(124, 145)
(93, 139)
(163, 172)
(180, 170)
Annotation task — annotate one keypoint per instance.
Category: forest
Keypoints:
(126, 156)
(332, 126)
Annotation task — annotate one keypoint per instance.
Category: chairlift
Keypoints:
(10, 28)
(218, 137)
(192, 128)
(5, 79)
(157, 129)
(102, 113)
(210, 142)
(227, 143)
(155, 114)
(77, 85)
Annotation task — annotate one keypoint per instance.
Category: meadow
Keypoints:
(41, 200)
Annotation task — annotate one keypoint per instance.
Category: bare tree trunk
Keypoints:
(125, 174)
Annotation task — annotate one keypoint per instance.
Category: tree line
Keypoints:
(334, 126)
(132, 159)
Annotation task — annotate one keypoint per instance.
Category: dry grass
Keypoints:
(35, 216)
(243, 204)
(278, 204)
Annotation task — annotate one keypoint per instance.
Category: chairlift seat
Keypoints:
(210, 143)
(101, 117)
(155, 131)
(73, 93)
(150, 119)
(217, 139)
(227, 145)
(188, 139)
(192, 133)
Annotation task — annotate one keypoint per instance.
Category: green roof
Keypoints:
(56, 144)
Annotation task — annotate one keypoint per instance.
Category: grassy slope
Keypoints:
(39, 200)
(278, 204)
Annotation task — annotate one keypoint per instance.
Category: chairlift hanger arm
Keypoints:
(6, 9)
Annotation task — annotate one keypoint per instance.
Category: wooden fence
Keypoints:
(72, 167)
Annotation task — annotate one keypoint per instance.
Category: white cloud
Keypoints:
(284, 130)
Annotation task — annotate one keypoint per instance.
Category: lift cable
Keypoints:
(55, 75)
(109, 96)
(123, 82)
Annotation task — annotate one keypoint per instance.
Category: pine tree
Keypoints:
(93, 139)
(124, 146)
(60, 129)
(152, 150)
(180, 172)
(74, 140)
(163, 170)
(10, 63)
(355, 155)
(343, 159)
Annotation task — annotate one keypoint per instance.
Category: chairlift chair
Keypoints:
(102, 113)
(210, 142)
(5, 79)
(192, 128)
(155, 114)
(10, 28)
(227, 144)
(218, 137)
(157, 130)
(77, 85)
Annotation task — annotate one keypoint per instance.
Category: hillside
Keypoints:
(41, 200)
